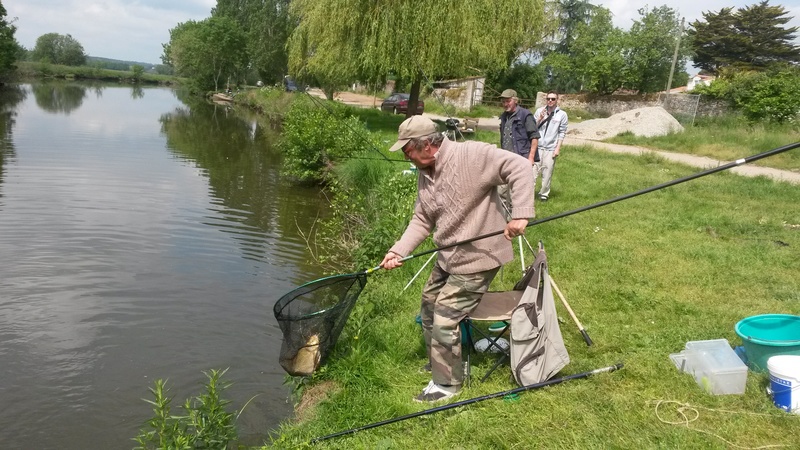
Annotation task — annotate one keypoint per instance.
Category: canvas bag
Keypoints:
(537, 347)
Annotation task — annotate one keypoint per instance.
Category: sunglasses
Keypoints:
(551, 98)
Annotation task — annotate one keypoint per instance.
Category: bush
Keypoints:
(136, 73)
(772, 96)
(370, 210)
(317, 135)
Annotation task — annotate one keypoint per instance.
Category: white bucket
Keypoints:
(784, 382)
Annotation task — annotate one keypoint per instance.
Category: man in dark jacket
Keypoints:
(518, 133)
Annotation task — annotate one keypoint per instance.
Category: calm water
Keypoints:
(140, 238)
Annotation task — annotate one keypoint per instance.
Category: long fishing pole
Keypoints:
(529, 387)
(657, 187)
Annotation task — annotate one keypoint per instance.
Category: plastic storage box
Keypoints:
(715, 366)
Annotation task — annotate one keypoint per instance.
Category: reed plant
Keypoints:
(205, 424)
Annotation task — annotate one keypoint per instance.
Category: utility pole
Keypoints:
(675, 57)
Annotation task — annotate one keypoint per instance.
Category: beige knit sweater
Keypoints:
(458, 200)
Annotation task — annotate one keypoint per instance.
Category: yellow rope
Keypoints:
(690, 413)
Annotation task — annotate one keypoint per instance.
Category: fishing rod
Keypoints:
(529, 387)
(657, 187)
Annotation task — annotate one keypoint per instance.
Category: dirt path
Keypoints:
(350, 98)
(702, 162)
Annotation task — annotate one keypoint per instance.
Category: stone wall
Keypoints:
(607, 105)
(463, 93)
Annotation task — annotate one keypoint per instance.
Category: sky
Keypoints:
(133, 30)
(128, 30)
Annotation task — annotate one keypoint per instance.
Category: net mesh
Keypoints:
(311, 318)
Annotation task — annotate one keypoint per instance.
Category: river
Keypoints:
(141, 238)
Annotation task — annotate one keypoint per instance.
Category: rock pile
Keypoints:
(647, 122)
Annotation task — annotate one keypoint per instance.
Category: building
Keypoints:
(699, 79)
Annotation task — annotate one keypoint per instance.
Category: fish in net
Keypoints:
(311, 318)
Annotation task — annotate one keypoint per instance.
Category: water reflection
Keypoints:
(10, 97)
(137, 92)
(59, 97)
(236, 152)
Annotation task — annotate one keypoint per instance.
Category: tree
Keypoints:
(10, 50)
(342, 41)
(750, 38)
(598, 50)
(651, 45)
(59, 49)
(572, 14)
(209, 52)
(267, 25)
(136, 73)
(526, 79)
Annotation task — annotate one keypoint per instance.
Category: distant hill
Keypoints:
(116, 64)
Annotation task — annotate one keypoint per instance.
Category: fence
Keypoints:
(683, 107)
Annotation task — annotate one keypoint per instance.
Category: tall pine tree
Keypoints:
(751, 38)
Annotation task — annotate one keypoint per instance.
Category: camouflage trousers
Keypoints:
(446, 300)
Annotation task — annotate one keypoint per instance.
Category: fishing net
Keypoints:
(311, 318)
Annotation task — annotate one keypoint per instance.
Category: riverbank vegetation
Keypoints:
(644, 276)
(27, 70)
(206, 422)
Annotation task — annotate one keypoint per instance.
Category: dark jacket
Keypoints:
(519, 134)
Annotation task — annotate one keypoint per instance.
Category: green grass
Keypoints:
(726, 139)
(644, 276)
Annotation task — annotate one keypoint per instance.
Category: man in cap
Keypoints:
(457, 199)
(518, 132)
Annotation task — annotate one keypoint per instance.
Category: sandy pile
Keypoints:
(651, 121)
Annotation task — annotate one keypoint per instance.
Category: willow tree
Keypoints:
(340, 41)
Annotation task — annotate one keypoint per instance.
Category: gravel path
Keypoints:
(702, 162)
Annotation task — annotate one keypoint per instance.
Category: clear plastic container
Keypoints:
(715, 366)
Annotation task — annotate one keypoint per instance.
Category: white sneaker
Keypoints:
(434, 393)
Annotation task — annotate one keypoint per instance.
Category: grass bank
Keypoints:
(644, 276)
(27, 69)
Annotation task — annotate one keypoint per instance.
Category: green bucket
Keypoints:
(768, 335)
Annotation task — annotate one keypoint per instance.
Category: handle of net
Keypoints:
(657, 187)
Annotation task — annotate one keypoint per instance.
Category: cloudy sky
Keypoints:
(130, 30)
(133, 30)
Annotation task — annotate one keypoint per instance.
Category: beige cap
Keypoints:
(508, 93)
(413, 127)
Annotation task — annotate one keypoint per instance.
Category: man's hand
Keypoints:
(515, 228)
(391, 261)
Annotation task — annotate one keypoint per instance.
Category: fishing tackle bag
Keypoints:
(537, 347)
